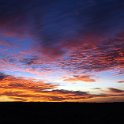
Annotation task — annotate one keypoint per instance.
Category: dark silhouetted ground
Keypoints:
(61, 112)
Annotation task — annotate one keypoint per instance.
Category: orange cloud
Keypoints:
(29, 90)
(7, 81)
(19, 89)
(84, 78)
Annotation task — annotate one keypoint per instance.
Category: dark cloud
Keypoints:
(56, 98)
(97, 88)
(30, 60)
(2, 76)
(114, 90)
(121, 81)
(80, 93)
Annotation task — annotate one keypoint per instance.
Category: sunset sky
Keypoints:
(62, 50)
